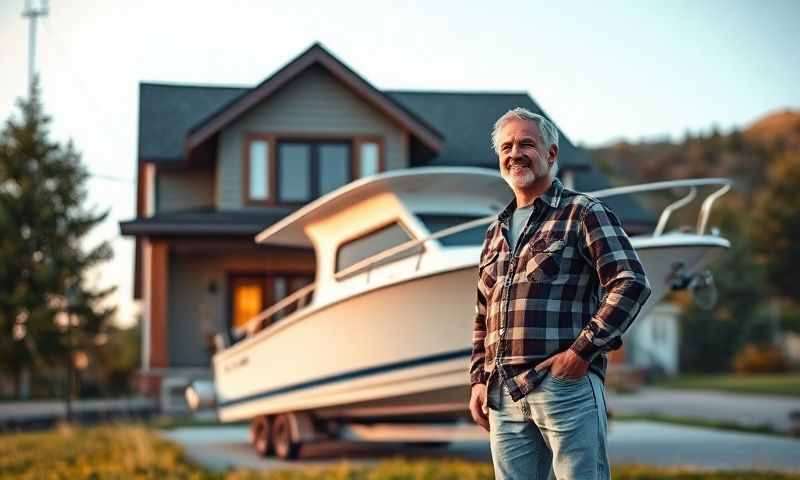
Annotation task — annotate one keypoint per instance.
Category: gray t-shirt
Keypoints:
(518, 221)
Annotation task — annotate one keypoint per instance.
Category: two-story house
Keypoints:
(216, 165)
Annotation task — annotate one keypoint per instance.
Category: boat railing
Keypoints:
(302, 297)
(692, 184)
(373, 260)
(293, 301)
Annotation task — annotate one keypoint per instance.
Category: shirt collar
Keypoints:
(551, 197)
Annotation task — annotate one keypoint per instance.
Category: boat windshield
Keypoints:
(435, 222)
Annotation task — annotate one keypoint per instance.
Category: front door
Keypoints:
(252, 293)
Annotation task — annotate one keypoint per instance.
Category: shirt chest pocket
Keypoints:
(544, 259)
(487, 269)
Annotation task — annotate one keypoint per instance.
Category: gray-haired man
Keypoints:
(559, 282)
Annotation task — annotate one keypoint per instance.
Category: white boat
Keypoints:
(384, 333)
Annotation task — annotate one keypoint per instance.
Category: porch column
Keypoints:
(157, 304)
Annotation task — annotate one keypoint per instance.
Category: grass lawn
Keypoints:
(136, 452)
(776, 384)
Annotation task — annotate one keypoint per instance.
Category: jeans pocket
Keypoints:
(568, 381)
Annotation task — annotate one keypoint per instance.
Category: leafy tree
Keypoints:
(710, 339)
(42, 222)
(776, 227)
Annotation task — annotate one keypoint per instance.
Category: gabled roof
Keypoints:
(168, 112)
(466, 119)
(210, 126)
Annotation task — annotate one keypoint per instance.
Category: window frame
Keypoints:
(358, 141)
(270, 168)
(354, 141)
(314, 160)
(472, 217)
(338, 276)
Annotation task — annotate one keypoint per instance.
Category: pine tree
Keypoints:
(42, 223)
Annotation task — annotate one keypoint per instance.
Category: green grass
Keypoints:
(776, 384)
(137, 452)
(93, 453)
(171, 423)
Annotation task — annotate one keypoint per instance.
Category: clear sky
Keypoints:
(602, 70)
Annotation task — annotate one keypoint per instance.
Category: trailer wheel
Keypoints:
(260, 435)
(286, 446)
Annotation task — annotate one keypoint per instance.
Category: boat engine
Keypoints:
(701, 286)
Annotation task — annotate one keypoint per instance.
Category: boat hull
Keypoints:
(401, 339)
(396, 351)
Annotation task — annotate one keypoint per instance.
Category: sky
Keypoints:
(604, 71)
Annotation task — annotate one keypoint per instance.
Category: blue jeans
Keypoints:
(557, 431)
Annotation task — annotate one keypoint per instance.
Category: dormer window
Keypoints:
(285, 170)
(310, 169)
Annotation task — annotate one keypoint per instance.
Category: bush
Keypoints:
(759, 359)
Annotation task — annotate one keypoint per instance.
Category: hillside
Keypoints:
(742, 155)
(781, 126)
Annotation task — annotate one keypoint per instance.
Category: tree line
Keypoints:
(759, 295)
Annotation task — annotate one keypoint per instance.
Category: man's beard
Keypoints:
(522, 180)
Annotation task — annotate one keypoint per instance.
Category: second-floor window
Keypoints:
(307, 170)
(290, 171)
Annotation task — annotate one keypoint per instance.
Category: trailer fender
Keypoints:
(302, 427)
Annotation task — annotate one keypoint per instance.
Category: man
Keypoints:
(559, 283)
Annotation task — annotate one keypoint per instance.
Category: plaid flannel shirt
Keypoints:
(574, 281)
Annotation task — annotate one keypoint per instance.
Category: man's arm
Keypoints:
(478, 375)
(607, 247)
(476, 372)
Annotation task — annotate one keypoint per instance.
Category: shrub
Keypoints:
(759, 359)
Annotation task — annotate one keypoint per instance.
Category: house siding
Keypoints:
(314, 103)
(184, 189)
(195, 313)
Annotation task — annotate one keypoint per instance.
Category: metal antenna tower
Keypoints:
(33, 10)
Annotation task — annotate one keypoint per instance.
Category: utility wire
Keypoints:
(112, 178)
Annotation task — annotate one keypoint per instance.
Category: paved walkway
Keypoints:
(746, 409)
(629, 442)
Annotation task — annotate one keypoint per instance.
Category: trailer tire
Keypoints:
(261, 435)
(284, 442)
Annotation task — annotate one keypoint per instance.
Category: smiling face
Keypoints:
(522, 155)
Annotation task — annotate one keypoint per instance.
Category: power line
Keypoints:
(112, 178)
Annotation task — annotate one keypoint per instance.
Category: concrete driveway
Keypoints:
(629, 442)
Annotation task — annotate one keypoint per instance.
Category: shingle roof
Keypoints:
(466, 119)
(316, 55)
(167, 113)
